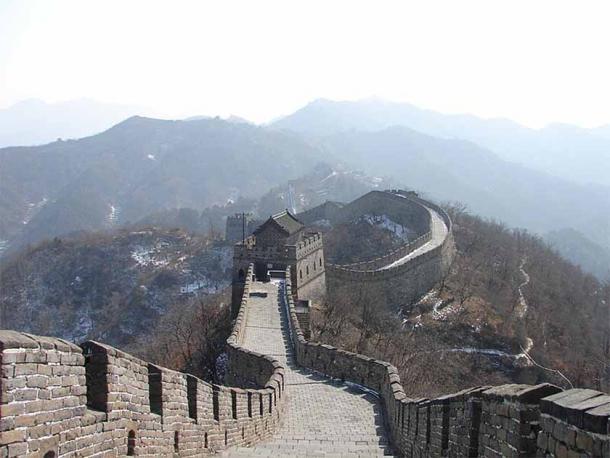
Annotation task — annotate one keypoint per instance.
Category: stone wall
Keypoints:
(575, 423)
(402, 207)
(309, 273)
(403, 284)
(239, 223)
(385, 259)
(504, 421)
(60, 399)
(322, 214)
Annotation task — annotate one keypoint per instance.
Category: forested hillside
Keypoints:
(138, 167)
(111, 287)
(510, 310)
(552, 179)
(148, 169)
(125, 286)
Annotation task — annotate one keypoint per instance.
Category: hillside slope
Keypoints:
(111, 287)
(137, 167)
(313, 188)
(510, 310)
(575, 246)
(455, 170)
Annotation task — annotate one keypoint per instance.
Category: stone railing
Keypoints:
(404, 283)
(60, 399)
(388, 258)
(502, 421)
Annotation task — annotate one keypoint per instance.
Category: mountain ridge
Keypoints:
(570, 152)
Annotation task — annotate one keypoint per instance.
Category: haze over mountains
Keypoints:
(137, 167)
(574, 153)
(553, 179)
(34, 122)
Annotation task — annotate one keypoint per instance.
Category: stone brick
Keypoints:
(15, 435)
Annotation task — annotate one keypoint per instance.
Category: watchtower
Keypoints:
(281, 241)
(240, 226)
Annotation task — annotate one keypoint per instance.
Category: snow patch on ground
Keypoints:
(481, 351)
(333, 173)
(520, 358)
(522, 308)
(233, 196)
(203, 285)
(113, 215)
(322, 223)
(387, 223)
(146, 257)
(3, 246)
(33, 208)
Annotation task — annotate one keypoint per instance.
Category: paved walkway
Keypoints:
(439, 231)
(322, 417)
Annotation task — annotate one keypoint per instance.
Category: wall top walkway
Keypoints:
(322, 416)
(428, 243)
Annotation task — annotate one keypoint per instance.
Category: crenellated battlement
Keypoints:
(60, 399)
(406, 273)
(503, 421)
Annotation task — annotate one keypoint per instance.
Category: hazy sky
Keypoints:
(533, 61)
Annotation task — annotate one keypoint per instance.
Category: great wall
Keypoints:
(285, 395)
(400, 277)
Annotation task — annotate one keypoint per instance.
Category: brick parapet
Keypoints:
(388, 258)
(508, 420)
(575, 423)
(83, 401)
(405, 282)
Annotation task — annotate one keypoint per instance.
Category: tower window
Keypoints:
(131, 443)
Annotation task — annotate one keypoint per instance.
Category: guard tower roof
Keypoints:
(286, 221)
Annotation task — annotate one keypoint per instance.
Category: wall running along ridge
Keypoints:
(60, 399)
(402, 284)
(502, 421)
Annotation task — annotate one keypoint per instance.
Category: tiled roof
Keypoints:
(288, 222)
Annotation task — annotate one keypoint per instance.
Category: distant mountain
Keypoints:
(231, 118)
(320, 184)
(323, 183)
(573, 245)
(34, 122)
(580, 155)
(138, 167)
(457, 170)
(146, 169)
